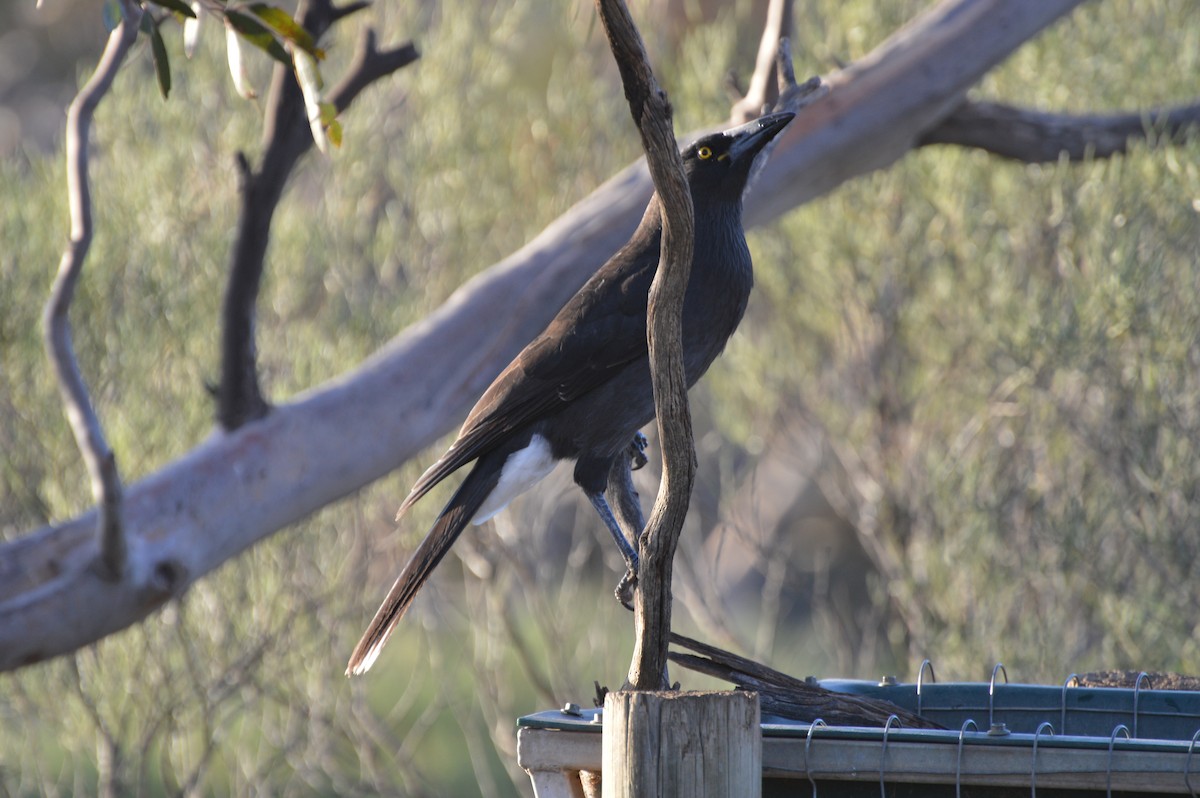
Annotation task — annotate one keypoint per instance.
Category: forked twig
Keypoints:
(759, 94)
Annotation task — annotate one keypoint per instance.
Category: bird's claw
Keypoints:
(637, 451)
(625, 588)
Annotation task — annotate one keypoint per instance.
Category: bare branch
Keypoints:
(99, 459)
(790, 697)
(664, 324)
(369, 65)
(341, 12)
(762, 92)
(792, 96)
(1030, 136)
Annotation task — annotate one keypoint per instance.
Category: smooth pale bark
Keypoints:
(234, 490)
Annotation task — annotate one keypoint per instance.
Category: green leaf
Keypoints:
(162, 64)
(287, 27)
(178, 6)
(250, 30)
(334, 131)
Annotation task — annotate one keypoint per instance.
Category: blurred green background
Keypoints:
(961, 420)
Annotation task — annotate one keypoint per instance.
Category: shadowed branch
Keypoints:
(1023, 134)
(287, 138)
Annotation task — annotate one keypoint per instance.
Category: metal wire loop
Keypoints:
(958, 768)
(1137, 689)
(1187, 765)
(1033, 765)
(925, 664)
(1062, 725)
(1120, 729)
(992, 690)
(887, 727)
(808, 738)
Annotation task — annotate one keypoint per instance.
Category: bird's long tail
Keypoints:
(450, 523)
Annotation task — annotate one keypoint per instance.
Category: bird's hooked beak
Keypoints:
(750, 138)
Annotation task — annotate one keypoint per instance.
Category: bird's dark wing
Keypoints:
(599, 331)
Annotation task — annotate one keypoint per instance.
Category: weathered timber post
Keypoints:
(668, 744)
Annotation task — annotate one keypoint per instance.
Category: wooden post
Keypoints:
(666, 744)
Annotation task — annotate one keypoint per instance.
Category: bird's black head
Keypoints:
(718, 165)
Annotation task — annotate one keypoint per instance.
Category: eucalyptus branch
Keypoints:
(369, 65)
(99, 459)
(287, 138)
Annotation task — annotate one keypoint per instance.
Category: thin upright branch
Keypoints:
(1030, 136)
(789, 95)
(761, 92)
(652, 114)
(99, 459)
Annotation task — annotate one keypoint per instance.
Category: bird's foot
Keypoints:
(637, 451)
(625, 588)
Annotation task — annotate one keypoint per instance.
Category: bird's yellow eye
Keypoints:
(705, 153)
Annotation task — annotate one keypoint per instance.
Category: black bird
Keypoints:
(581, 390)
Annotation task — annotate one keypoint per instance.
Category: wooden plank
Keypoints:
(546, 749)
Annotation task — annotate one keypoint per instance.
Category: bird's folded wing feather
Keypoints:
(598, 332)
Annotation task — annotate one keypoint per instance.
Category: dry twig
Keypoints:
(56, 324)
(652, 114)
(790, 697)
(761, 93)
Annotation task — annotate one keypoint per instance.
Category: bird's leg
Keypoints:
(627, 550)
(611, 479)
(624, 497)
